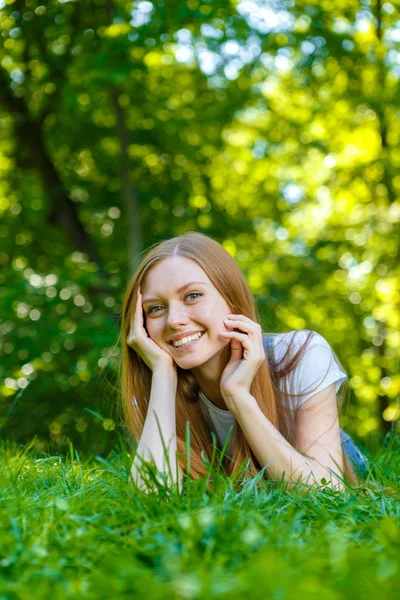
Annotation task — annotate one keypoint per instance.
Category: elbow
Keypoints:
(315, 480)
(325, 477)
(305, 488)
(153, 485)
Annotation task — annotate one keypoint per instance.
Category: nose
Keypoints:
(176, 318)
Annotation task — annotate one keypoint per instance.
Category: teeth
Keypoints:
(186, 340)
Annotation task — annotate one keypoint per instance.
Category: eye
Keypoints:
(149, 312)
(194, 294)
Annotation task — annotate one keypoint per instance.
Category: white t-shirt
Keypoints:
(317, 369)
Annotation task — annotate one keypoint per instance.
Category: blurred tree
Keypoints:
(270, 126)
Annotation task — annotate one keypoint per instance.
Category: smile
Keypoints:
(189, 342)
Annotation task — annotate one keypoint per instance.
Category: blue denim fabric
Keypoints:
(357, 459)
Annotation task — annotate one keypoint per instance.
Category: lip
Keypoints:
(189, 345)
(179, 336)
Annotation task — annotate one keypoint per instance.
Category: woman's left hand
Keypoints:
(247, 355)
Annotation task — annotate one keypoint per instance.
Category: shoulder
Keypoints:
(296, 339)
(314, 369)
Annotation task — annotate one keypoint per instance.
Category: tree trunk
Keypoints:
(30, 138)
(129, 193)
(130, 197)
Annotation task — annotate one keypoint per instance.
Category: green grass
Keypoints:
(75, 529)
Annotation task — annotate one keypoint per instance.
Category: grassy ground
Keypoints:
(74, 529)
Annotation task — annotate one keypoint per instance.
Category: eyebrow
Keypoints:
(177, 291)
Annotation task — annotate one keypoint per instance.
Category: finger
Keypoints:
(242, 337)
(243, 319)
(140, 302)
(240, 325)
(252, 330)
(137, 314)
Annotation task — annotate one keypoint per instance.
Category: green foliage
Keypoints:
(274, 131)
(71, 527)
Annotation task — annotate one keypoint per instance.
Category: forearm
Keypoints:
(161, 417)
(272, 449)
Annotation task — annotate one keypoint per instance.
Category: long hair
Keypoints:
(226, 276)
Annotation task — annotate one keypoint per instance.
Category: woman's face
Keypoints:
(198, 307)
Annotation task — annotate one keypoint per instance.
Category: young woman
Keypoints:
(193, 350)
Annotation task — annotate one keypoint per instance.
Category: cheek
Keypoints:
(151, 330)
(210, 315)
(214, 318)
(155, 332)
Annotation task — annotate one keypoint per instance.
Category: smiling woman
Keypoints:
(193, 351)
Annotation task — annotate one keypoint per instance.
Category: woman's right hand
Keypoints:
(138, 339)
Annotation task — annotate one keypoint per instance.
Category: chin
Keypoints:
(190, 362)
(198, 361)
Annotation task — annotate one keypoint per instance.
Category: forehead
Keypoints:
(172, 273)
